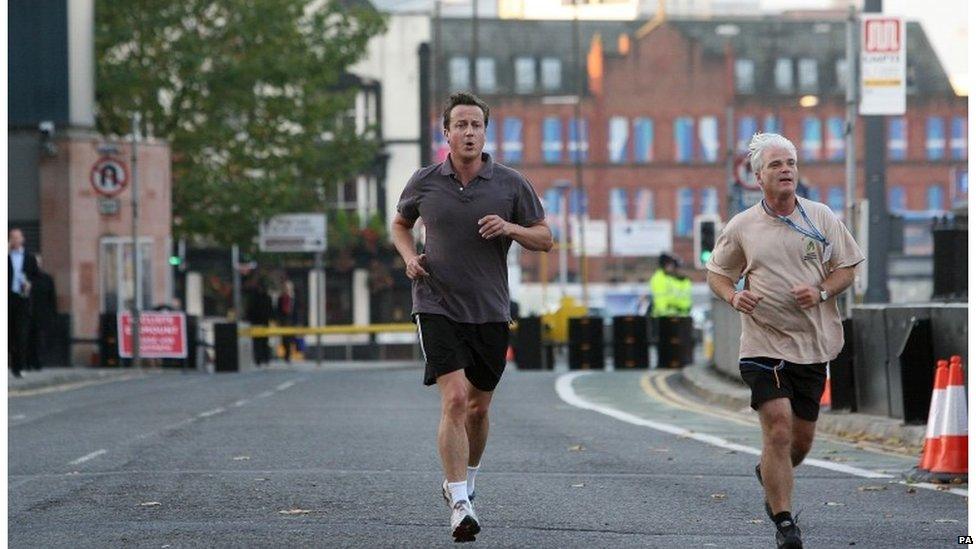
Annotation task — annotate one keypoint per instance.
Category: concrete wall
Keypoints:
(728, 328)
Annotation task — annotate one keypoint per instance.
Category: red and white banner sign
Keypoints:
(883, 62)
(161, 335)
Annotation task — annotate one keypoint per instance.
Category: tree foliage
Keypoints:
(252, 95)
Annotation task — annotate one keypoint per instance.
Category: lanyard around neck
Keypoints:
(812, 232)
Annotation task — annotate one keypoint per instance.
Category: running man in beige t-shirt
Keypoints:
(795, 255)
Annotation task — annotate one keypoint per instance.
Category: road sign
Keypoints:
(108, 206)
(161, 335)
(640, 238)
(294, 233)
(743, 173)
(882, 65)
(109, 176)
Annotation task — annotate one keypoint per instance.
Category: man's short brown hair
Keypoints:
(463, 98)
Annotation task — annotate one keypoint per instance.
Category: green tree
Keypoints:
(253, 96)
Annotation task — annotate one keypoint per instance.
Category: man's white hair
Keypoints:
(762, 141)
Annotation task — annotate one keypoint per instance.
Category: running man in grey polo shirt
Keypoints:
(472, 209)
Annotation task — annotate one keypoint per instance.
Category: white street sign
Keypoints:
(293, 233)
(640, 238)
(596, 237)
(882, 65)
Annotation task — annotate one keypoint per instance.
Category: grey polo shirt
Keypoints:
(468, 279)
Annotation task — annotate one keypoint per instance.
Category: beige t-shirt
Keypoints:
(773, 258)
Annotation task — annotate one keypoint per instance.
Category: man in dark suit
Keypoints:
(21, 269)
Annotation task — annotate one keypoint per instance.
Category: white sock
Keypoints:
(472, 472)
(459, 491)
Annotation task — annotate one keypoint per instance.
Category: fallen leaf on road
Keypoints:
(718, 496)
(834, 504)
(261, 479)
(295, 512)
(576, 448)
(756, 521)
(871, 488)
(242, 458)
(835, 458)
(580, 485)
(944, 521)
(942, 488)
(911, 490)
(888, 515)
(729, 452)
(956, 480)
(150, 504)
(661, 450)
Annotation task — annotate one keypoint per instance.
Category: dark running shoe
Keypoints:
(769, 510)
(788, 535)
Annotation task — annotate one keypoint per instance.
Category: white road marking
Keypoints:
(18, 416)
(85, 458)
(285, 385)
(266, 394)
(564, 388)
(209, 413)
(240, 403)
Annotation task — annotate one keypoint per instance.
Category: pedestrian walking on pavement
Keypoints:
(473, 208)
(21, 270)
(794, 256)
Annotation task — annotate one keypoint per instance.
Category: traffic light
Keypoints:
(707, 227)
(175, 260)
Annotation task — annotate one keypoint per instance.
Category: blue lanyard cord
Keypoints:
(775, 369)
(813, 233)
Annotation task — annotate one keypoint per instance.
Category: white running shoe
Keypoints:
(464, 523)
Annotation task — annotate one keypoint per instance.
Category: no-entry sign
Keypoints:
(161, 335)
(109, 176)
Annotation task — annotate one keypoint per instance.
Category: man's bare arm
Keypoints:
(722, 286)
(401, 229)
(537, 238)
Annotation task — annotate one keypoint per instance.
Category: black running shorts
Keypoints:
(803, 384)
(448, 346)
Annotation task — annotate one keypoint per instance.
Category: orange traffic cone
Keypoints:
(825, 397)
(953, 453)
(932, 439)
(510, 354)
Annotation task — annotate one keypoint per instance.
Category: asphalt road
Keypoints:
(328, 458)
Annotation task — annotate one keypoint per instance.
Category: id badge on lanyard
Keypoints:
(813, 232)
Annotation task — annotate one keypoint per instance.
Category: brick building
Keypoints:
(654, 112)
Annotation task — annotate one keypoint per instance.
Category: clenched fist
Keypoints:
(415, 267)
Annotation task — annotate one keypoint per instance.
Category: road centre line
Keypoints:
(213, 412)
(266, 394)
(87, 457)
(564, 388)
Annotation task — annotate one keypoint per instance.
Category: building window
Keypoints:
(784, 75)
(708, 138)
(934, 197)
(807, 69)
(524, 74)
(686, 211)
(552, 73)
(553, 199)
(959, 142)
(835, 138)
(644, 204)
(579, 143)
(643, 140)
(813, 193)
(578, 203)
(897, 138)
(115, 272)
(618, 143)
(935, 138)
(812, 138)
(835, 199)
(747, 128)
(772, 124)
(491, 139)
(840, 73)
(896, 199)
(745, 76)
(618, 204)
(460, 69)
(512, 140)
(684, 139)
(552, 140)
(487, 83)
(709, 201)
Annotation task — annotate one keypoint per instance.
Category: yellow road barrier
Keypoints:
(271, 331)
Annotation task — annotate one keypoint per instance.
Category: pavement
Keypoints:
(304, 456)
(715, 387)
